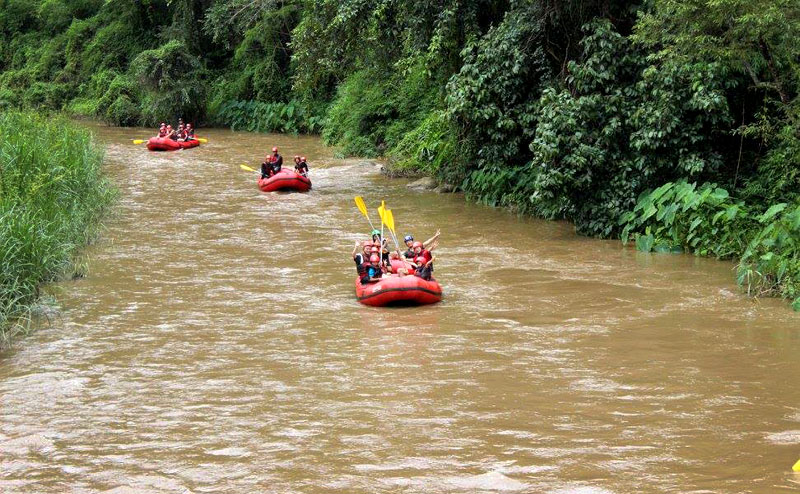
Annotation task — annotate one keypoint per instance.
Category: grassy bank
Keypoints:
(52, 198)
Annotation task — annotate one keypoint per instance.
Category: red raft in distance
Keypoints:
(167, 144)
(285, 180)
(394, 289)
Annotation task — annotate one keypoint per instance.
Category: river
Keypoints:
(216, 346)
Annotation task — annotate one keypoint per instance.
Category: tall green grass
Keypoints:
(52, 197)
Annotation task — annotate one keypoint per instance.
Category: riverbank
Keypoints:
(702, 220)
(53, 196)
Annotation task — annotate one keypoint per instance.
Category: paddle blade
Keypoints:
(139, 141)
(201, 139)
(361, 206)
(796, 466)
(382, 211)
(247, 168)
(389, 219)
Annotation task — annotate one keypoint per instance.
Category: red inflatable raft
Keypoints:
(285, 180)
(167, 144)
(399, 290)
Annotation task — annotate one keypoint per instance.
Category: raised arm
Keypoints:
(431, 240)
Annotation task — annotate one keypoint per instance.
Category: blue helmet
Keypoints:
(408, 238)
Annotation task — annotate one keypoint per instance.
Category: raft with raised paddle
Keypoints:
(394, 289)
(285, 180)
(167, 144)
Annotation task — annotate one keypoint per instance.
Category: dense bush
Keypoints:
(175, 80)
(492, 101)
(255, 116)
(428, 148)
(680, 217)
(771, 263)
(623, 125)
(706, 221)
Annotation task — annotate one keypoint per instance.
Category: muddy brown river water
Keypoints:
(216, 346)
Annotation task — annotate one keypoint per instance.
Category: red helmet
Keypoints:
(297, 157)
(169, 126)
(374, 258)
(275, 149)
(303, 158)
(375, 249)
(188, 125)
(416, 244)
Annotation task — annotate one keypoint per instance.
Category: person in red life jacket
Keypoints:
(361, 258)
(162, 130)
(171, 133)
(421, 255)
(296, 160)
(428, 244)
(377, 240)
(272, 164)
(189, 131)
(181, 133)
(395, 258)
(425, 270)
(380, 248)
(374, 270)
(301, 166)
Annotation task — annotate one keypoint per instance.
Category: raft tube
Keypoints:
(397, 264)
(399, 290)
(167, 144)
(285, 180)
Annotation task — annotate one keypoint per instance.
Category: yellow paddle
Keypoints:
(381, 211)
(796, 466)
(201, 139)
(389, 219)
(389, 216)
(248, 169)
(363, 208)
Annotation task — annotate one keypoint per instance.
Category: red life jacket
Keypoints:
(423, 257)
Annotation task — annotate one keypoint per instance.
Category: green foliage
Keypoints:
(46, 95)
(560, 109)
(356, 117)
(373, 111)
(173, 78)
(755, 44)
(426, 149)
(705, 220)
(52, 195)
(256, 116)
(624, 125)
(771, 263)
(117, 105)
(680, 216)
(492, 99)
(778, 177)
